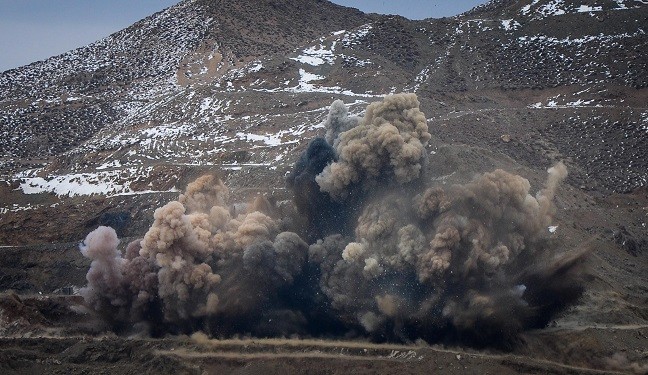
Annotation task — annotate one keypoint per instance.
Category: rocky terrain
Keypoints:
(105, 134)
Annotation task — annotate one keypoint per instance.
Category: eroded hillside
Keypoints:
(105, 134)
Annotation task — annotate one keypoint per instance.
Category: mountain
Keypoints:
(78, 93)
(197, 55)
(107, 133)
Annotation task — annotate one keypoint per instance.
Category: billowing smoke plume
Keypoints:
(388, 143)
(465, 258)
(105, 276)
(391, 257)
(196, 261)
(338, 121)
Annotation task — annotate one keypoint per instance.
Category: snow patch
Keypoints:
(355, 37)
(315, 56)
(167, 131)
(271, 140)
(587, 8)
(205, 104)
(108, 183)
(510, 24)
(560, 7)
(255, 67)
(109, 165)
(71, 185)
(553, 8)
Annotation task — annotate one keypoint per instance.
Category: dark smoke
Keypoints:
(390, 256)
(322, 213)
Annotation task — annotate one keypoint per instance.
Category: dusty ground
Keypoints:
(605, 332)
(43, 331)
(183, 355)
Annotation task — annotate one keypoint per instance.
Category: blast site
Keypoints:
(299, 187)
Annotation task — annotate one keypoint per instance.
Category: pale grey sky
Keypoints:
(32, 30)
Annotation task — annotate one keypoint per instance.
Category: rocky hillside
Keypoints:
(51, 106)
(105, 134)
(553, 68)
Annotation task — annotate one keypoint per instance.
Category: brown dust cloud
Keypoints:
(367, 248)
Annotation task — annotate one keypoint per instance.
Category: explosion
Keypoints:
(385, 254)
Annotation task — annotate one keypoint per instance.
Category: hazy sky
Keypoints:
(32, 30)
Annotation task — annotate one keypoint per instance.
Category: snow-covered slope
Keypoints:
(190, 87)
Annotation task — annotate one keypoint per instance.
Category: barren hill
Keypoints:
(105, 134)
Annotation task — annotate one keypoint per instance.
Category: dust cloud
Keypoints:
(383, 254)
